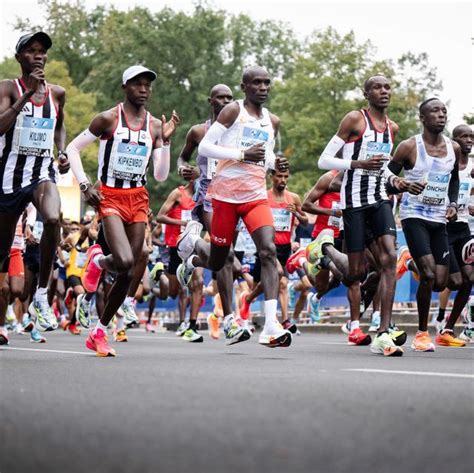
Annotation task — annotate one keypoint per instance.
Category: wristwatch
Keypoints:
(83, 186)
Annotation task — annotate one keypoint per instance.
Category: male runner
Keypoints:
(129, 135)
(365, 139)
(430, 163)
(242, 139)
(31, 123)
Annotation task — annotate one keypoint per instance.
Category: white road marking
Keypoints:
(416, 373)
(47, 351)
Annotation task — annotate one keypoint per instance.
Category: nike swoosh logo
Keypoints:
(368, 136)
(392, 229)
(446, 253)
(264, 124)
(120, 133)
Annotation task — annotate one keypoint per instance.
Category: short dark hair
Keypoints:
(426, 102)
(458, 129)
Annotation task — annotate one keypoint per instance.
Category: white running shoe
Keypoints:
(274, 335)
(187, 239)
(183, 326)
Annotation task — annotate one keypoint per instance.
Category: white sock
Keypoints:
(375, 314)
(41, 293)
(119, 323)
(354, 324)
(270, 310)
(100, 326)
(228, 319)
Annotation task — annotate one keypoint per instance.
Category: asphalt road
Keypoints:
(164, 405)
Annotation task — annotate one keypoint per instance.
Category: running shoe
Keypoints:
(446, 338)
(10, 315)
(313, 308)
(74, 329)
(28, 324)
(3, 336)
(19, 329)
(439, 324)
(192, 336)
(157, 271)
(403, 258)
(314, 251)
(184, 273)
(64, 324)
(375, 323)
(149, 328)
(36, 337)
(467, 252)
(45, 319)
(422, 342)
(127, 310)
(183, 326)
(346, 327)
(234, 333)
(273, 337)
(213, 325)
(399, 337)
(244, 306)
(467, 335)
(82, 310)
(383, 344)
(290, 326)
(98, 341)
(358, 337)
(293, 262)
(91, 273)
(187, 239)
(69, 297)
(120, 336)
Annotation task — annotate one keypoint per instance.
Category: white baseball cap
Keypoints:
(135, 71)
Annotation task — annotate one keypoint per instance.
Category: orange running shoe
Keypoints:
(422, 342)
(98, 341)
(120, 336)
(402, 261)
(213, 324)
(358, 337)
(64, 324)
(244, 306)
(446, 338)
(74, 329)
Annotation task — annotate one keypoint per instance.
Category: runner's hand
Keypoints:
(451, 214)
(93, 197)
(291, 208)
(36, 79)
(416, 188)
(189, 173)
(169, 127)
(29, 238)
(63, 164)
(375, 163)
(255, 153)
(281, 164)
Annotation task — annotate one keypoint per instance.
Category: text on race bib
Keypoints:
(36, 136)
(376, 149)
(334, 221)
(251, 136)
(211, 168)
(282, 220)
(129, 162)
(436, 189)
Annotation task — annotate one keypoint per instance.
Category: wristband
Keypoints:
(453, 204)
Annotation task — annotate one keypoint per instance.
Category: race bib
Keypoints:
(38, 230)
(240, 227)
(334, 221)
(304, 242)
(376, 149)
(35, 136)
(251, 136)
(436, 189)
(282, 220)
(186, 215)
(81, 258)
(129, 162)
(211, 168)
(464, 193)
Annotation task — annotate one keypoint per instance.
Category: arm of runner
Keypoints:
(296, 210)
(161, 163)
(453, 189)
(8, 110)
(169, 203)
(185, 170)
(60, 131)
(317, 191)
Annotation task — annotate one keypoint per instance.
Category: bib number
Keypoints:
(282, 220)
(38, 230)
(376, 149)
(436, 189)
(334, 221)
(211, 168)
(129, 162)
(35, 136)
(251, 136)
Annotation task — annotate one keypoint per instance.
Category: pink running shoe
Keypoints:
(244, 306)
(98, 341)
(293, 262)
(91, 274)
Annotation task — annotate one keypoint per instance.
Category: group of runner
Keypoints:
(223, 218)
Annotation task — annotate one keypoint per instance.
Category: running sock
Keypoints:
(270, 309)
(441, 312)
(100, 326)
(354, 324)
(120, 323)
(375, 314)
(192, 324)
(41, 293)
(189, 261)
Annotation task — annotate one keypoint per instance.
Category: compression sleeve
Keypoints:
(161, 162)
(73, 152)
(328, 158)
(453, 189)
(210, 149)
(393, 169)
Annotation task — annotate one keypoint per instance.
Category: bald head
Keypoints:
(220, 89)
(461, 129)
(368, 83)
(252, 72)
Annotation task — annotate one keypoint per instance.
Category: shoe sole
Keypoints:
(3, 340)
(282, 341)
(243, 337)
(386, 354)
(364, 343)
(292, 329)
(427, 350)
(197, 340)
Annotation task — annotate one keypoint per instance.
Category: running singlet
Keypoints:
(182, 211)
(26, 150)
(124, 157)
(361, 187)
(431, 204)
(465, 186)
(329, 200)
(238, 182)
(283, 219)
(207, 170)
